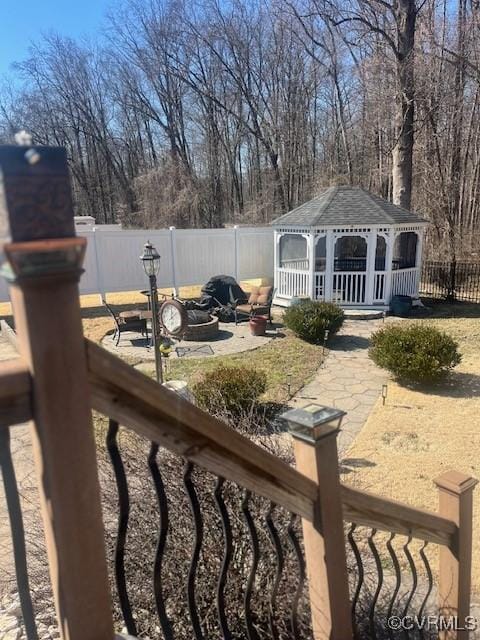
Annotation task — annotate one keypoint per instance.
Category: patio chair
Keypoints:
(259, 303)
(121, 325)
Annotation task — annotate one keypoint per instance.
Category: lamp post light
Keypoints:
(326, 333)
(151, 264)
(384, 393)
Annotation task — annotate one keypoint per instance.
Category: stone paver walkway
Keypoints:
(348, 380)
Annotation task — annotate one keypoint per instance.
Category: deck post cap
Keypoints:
(313, 422)
(456, 482)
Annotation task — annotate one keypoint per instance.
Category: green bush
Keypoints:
(413, 353)
(234, 390)
(309, 320)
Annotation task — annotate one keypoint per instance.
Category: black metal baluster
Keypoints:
(222, 579)
(398, 582)
(301, 575)
(123, 516)
(251, 633)
(162, 541)
(361, 574)
(414, 580)
(198, 523)
(275, 538)
(430, 580)
(18, 533)
(378, 564)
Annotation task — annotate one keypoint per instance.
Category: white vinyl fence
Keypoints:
(188, 256)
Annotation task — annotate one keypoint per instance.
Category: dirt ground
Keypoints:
(420, 434)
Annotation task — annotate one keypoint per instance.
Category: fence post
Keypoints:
(456, 503)
(314, 430)
(100, 283)
(45, 260)
(236, 252)
(173, 249)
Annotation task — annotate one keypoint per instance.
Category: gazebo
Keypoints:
(348, 246)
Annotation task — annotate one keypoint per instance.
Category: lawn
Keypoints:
(420, 434)
(285, 360)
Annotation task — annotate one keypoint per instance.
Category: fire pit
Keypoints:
(201, 326)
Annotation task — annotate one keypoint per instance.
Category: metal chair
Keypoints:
(139, 325)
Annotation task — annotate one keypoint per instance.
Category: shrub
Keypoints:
(309, 320)
(234, 390)
(414, 353)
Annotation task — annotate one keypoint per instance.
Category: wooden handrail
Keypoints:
(15, 392)
(131, 398)
(128, 396)
(370, 510)
(121, 392)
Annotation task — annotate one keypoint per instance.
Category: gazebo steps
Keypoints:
(351, 313)
(363, 314)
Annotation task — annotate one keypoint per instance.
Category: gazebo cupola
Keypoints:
(348, 246)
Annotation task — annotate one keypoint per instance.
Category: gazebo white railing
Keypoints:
(405, 281)
(292, 282)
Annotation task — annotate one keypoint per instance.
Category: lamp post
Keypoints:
(151, 264)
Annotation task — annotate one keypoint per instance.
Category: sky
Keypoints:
(23, 21)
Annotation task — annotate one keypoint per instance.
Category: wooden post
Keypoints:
(455, 503)
(45, 261)
(314, 430)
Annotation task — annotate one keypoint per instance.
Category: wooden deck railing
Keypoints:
(59, 377)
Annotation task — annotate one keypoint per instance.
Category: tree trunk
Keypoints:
(405, 17)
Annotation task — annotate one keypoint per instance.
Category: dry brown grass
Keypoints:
(420, 434)
(96, 321)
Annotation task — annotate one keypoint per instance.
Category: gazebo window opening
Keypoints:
(380, 254)
(321, 254)
(293, 252)
(351, 254)
(405, 250)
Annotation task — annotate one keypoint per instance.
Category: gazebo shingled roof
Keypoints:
(347, 206)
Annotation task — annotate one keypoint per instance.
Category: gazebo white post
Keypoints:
(276, 245)
(329, 259)
(388, 265)
(311, 263)
(371, 251)
(418, 259)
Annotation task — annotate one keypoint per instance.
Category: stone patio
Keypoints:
(231, 339)
(348, 379)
